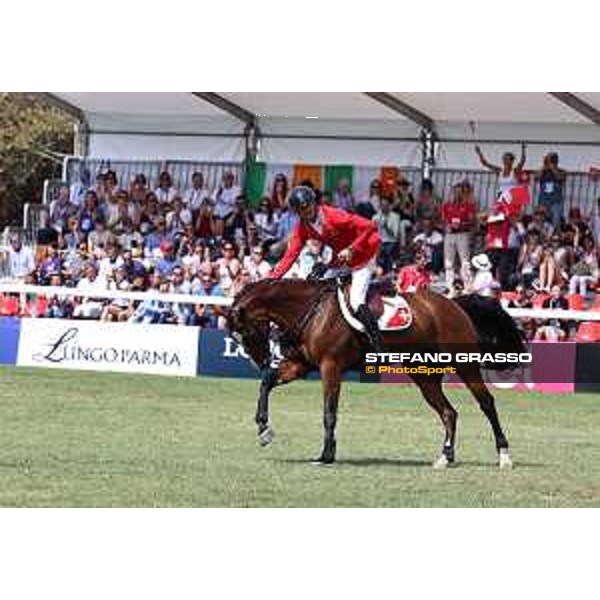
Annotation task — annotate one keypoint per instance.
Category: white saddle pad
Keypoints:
(397, 315)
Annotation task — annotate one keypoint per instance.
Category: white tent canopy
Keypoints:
(372, 128)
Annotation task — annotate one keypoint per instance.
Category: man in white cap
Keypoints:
(483, 282)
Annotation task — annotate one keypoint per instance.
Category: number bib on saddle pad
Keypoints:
(393, 312)
(397, 315)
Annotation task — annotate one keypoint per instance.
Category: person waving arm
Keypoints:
(485, 163)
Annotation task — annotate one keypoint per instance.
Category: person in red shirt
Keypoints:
(414, 277)
(458, 216)
(9, 306)
(355, 243)
(501, 219)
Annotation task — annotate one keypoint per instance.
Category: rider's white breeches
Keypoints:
(361, 278)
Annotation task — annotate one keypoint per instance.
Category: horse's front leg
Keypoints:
(288, 370)
(331, 378)
(270, 377)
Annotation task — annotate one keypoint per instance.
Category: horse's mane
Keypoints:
(280, 283)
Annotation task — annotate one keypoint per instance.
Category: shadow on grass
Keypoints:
(407, 463)
(362, 462)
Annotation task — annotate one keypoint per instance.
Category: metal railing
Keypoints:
(414, 175)
(581, 189)
(51, 188)
(4, 264)
(34, 218)
(19, 288)
(181, 171)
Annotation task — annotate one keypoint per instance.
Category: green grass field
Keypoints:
(105, 440)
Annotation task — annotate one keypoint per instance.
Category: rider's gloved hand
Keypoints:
(318, 271)
(345, 256)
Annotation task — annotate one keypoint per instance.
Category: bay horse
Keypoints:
(317, 337)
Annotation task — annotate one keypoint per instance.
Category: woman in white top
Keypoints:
(267, 222)
(530, 258)
(585, 271)
(509, 175)
(165, 192)
(228, 268)
(224, 197)
(197, 194)
(256, 265)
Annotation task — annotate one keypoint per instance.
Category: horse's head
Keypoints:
(285, 303)
(251, 330)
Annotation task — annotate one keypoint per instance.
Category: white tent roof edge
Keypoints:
(321, 125)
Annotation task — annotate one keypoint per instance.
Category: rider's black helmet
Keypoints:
(301, 196)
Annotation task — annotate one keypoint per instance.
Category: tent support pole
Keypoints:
(578, 105)
(252, 135)
(402, 108)
(428, 141)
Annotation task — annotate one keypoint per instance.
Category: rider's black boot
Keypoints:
(374, 336)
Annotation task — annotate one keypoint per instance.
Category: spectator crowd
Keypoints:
(124, 236)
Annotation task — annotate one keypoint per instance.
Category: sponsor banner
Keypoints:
(118, 347)
(586, 369)
(222, 356)
(9, 340)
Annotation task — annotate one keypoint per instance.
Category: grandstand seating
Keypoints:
(539, 299)
(576, 302)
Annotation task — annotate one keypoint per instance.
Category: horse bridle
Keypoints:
(295, 332)
(252, 337)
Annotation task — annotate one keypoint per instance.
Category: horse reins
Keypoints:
(295, 332)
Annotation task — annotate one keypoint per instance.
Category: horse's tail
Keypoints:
(495, 327)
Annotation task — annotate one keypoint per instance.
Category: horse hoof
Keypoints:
(441, 463)
(265, 438)
(326, 459)
(321, 462)
(506, 462)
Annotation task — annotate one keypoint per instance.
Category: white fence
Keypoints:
(63, 292)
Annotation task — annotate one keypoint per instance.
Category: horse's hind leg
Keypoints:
(331, 378)
(486, 401)
(434, 395)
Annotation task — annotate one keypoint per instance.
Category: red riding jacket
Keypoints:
(337, 229)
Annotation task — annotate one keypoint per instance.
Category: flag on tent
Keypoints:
(334, 174)
(256, 174)
(260, 178)
(311, 173)
(389, 177)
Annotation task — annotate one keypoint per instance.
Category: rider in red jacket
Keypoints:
(355, 242)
